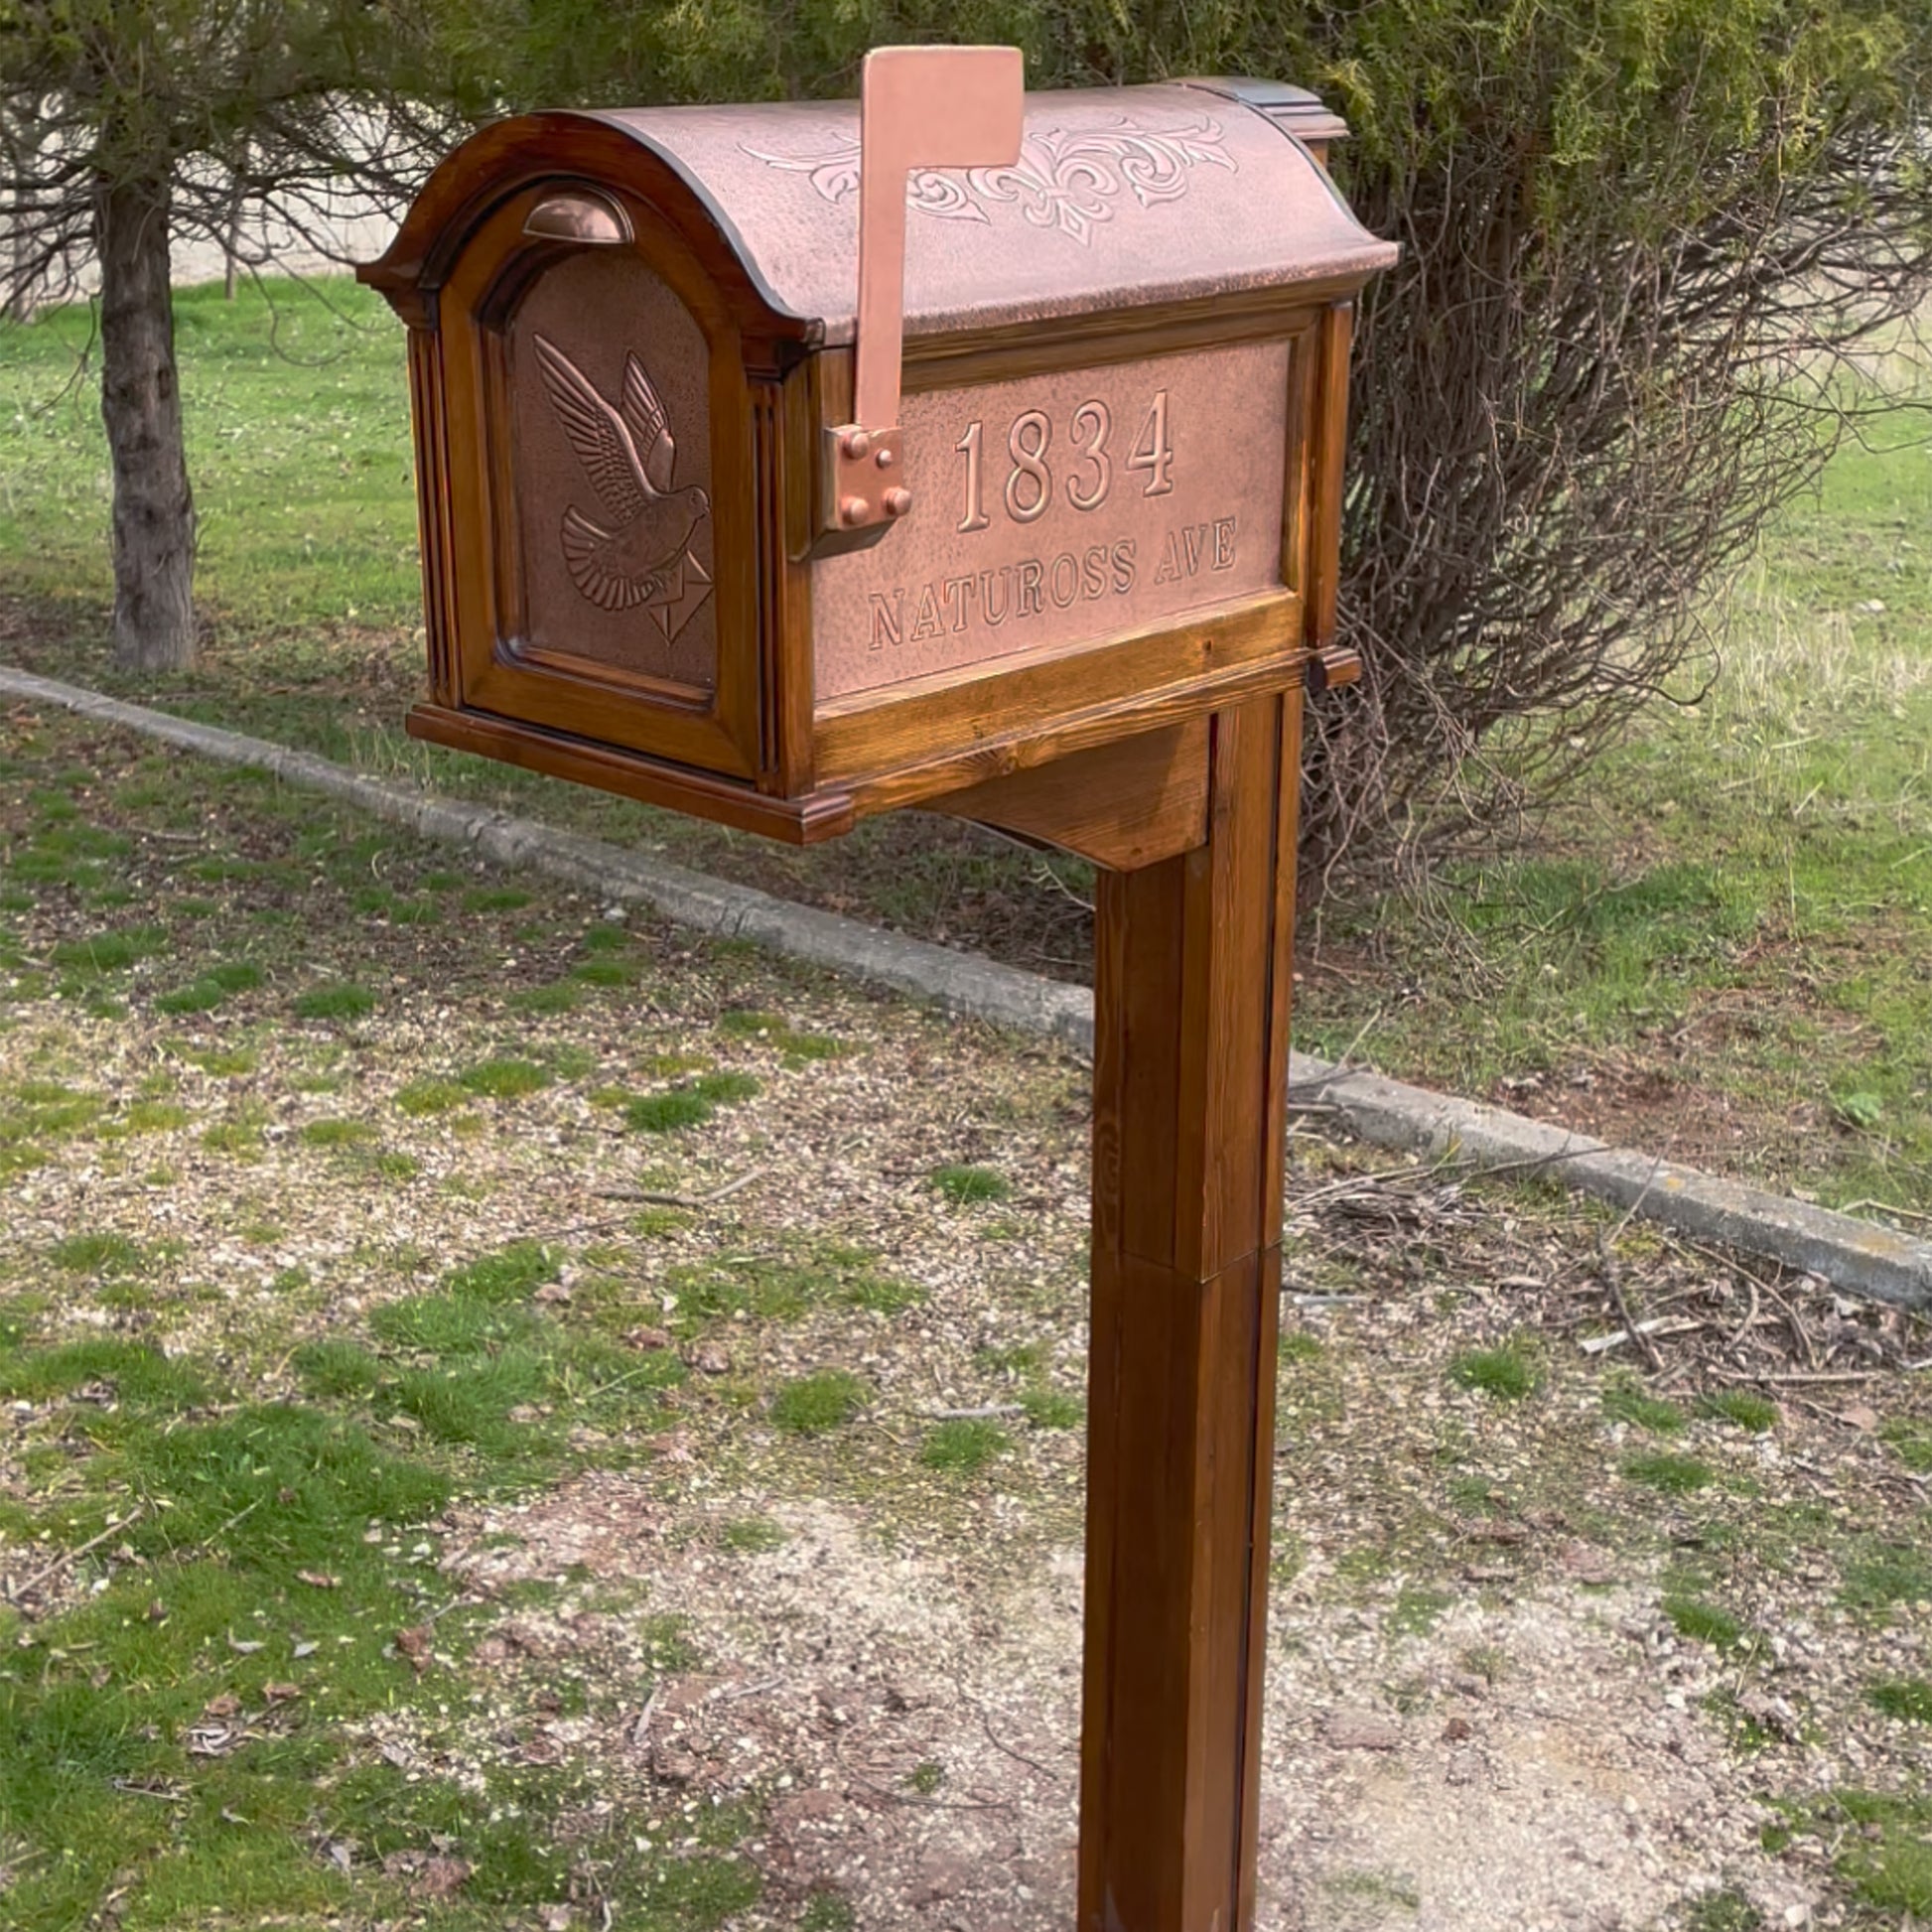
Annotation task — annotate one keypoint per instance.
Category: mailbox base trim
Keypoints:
(609, 768)
(831, 811)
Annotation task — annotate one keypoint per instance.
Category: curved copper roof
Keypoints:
(1122, 198)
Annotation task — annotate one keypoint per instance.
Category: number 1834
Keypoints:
(1085, 456)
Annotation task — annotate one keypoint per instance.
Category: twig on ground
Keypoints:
(215, 1536)
(931, 1803)
(739, 1692)
(655, 1200)
(69, 1557)
(1658, 1324)
(1806, 1376)
(1361, 1033)
(1612, 1272)
(134, 1790)
(1630, 1212)
(1889, 1207)
(998, 1744)
(640, 1731)
(983, 1412)
(1744, 1327)
(1795, 1322)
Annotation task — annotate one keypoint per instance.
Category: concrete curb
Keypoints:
(1859, 1256)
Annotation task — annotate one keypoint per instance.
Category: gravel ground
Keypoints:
(1566, 1631)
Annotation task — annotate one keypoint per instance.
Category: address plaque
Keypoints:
(1054, 511)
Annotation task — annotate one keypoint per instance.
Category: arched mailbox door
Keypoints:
(631, 333)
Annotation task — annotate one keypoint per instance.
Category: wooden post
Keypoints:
(1192, 987)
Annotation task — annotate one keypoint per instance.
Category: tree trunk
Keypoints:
(232, 236)
(140, 402)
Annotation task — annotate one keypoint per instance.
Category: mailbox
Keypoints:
(667, 553)
(980, 451)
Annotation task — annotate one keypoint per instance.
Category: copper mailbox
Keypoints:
(665, 552)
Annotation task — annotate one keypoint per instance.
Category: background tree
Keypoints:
(127, 123)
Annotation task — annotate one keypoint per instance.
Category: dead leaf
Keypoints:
(414, 1644)
(318, 1580)
(442, 1876)
(648, 1338)
(1859, 1417)
(429, 1876)
(1588, 1564)
(225, 1706)
(281, 1693)
(1363, 1731)
(673, 1766)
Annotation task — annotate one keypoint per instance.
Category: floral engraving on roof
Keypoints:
(1067, 182)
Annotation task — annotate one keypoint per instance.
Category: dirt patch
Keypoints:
(1672, 1114)
(917, 1734)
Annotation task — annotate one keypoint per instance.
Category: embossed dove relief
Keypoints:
(638, 555)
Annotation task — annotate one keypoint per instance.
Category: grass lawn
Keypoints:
(1723, 949)
(514, 1420)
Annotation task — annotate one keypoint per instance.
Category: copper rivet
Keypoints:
(852, 509)
(883, 459)
(897, 502)
(856, 444)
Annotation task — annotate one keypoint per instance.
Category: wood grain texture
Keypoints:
(977, 706)
(435, 540)
(1122, 805)
(1304, 363)
(1327, 452)
(1193, 968)
(825, 814)
(1060, 737)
